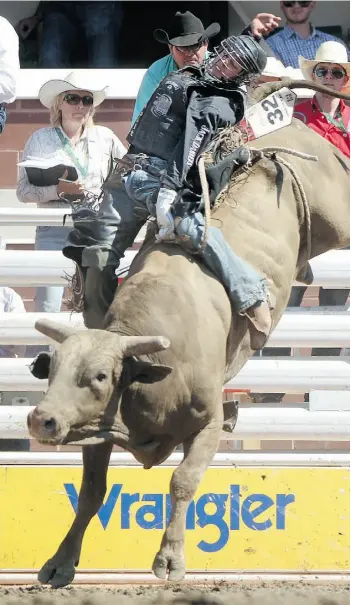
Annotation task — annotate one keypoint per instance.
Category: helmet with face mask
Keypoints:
(237, 60)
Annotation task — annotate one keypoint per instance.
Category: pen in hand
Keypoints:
(67, 187)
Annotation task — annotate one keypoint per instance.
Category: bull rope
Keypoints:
(207, 202)
(270, 153)
(306, 206)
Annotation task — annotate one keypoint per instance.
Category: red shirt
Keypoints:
(309, 113)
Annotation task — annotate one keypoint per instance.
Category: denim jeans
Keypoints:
(2, 117)
(244, 285)
(94, 25)
(134, 201)
(48, 299)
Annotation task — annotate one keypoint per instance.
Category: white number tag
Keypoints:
(274, 112)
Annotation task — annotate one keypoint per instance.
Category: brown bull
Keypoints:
(148, 393)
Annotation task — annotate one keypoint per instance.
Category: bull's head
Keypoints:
(87, 375)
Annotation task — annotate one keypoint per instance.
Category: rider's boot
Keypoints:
(260, 323)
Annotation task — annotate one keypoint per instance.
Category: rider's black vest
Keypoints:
(162, 122)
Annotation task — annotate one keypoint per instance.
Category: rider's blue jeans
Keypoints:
(243, 284)
(134, 202)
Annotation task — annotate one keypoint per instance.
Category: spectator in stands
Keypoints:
(330, 118)
(9, 67)
(71, 26)
(11, 302)
(298, 37)
(72, 139)
(187, 41)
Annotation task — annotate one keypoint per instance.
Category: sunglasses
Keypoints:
(73, 99)
(190, 49)
(336, 72)
(301, 4)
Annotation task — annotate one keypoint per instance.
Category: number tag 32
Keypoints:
(274, 112)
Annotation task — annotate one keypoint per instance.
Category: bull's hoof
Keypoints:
(169, 566)
(55, 574)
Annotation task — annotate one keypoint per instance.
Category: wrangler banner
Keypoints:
(246, 519)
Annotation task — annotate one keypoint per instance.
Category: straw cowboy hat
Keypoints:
(328, 52)
(74, 80)
(186, 30)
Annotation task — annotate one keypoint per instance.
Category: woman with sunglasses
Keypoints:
(327, 116)
(75, 141)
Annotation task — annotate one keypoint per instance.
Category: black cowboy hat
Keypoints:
(186, 30)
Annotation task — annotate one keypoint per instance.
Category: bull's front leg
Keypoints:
(198, 454)
(60, 569)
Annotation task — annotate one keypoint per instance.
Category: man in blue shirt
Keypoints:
(298, 37)
(187, 41)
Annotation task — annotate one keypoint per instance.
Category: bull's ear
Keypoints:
(40, 365)
(135, 370)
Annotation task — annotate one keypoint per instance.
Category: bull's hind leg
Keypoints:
(60, 569)
(198, 453)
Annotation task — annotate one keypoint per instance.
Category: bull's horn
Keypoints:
(142, 345)
(54, 330)
(263, 90)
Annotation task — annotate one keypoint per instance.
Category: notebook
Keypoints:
(43, 172)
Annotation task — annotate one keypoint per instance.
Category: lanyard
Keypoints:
(338, 123)
(68, 149)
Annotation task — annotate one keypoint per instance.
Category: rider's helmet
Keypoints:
(237, 60)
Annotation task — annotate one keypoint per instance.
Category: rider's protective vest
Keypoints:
(162, 122)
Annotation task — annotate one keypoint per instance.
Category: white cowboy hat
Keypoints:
(74, 81)
(274, 69)
(328, 52)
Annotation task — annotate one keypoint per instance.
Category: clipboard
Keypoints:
(43, 172)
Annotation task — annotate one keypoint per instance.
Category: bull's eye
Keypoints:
(101, 377)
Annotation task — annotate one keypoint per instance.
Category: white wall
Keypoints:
(326, 12)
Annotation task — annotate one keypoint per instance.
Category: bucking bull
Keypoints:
(152, 378)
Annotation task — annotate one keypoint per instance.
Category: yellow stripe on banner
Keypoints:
(241, 519)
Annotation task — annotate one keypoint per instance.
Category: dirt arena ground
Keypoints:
(263, 593)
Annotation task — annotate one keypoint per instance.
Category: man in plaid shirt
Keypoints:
(298, 37)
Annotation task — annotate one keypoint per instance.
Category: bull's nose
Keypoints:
(42, 424)
(50, 425)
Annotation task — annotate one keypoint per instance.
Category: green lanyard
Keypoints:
(338, 123)
(68, 149)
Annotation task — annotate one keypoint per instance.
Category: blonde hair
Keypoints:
(56, 114)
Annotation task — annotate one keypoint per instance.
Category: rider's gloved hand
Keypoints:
(165, 220)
